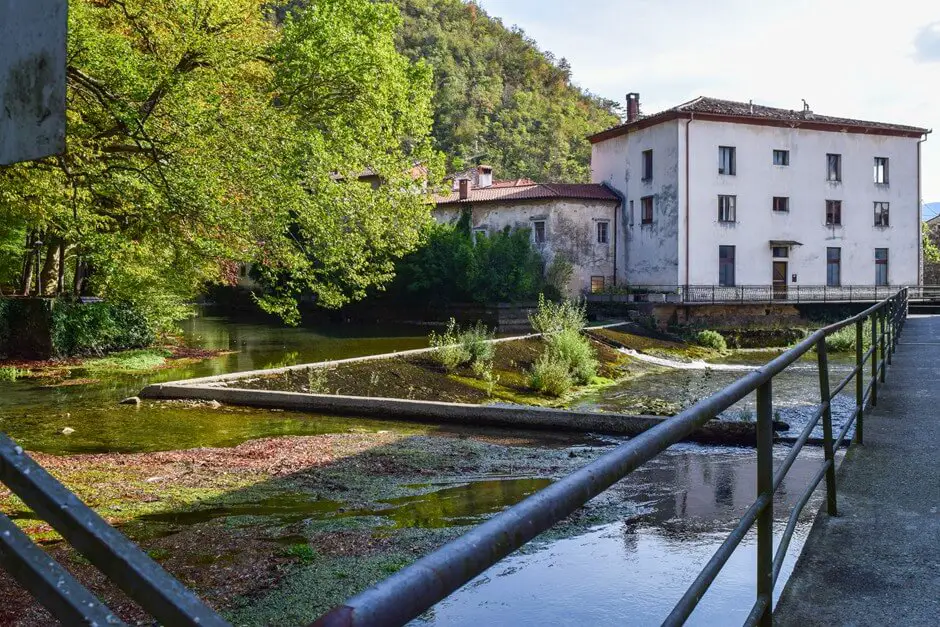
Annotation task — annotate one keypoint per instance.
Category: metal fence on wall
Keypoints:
(748, 294)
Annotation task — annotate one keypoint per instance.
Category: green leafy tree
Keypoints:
(201, 133)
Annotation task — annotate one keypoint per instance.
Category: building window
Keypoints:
(781, 157)
(833, 213)
(726, 160)
(726, 208)
(780, 251)
(603, 229)
(597, 284)
(833, 267)
(538, 231)
(881, 266)
(881, 170)
(781, 203)
(834, 168)
(881, 214)
(647, 165)
(646, 208)
(631, 213)
(726, 266)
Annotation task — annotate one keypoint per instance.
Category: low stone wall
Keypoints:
(516, 417)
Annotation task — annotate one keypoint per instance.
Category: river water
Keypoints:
(631, 571)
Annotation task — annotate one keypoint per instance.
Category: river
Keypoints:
(629, 570)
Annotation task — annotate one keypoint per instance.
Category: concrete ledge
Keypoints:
(517, 417)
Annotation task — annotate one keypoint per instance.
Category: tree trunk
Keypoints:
(60, 283)
(26, 279)
(49, 268)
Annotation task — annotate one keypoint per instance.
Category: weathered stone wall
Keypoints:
(570, 231)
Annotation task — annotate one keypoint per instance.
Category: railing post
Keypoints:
(874, 358)
(765, 485)
(859, 382)
(882, 340)
(823, 366)
(889, 315)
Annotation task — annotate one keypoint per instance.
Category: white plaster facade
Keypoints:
(570, 227)
(681, 245)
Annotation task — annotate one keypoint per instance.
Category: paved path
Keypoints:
(878, 562)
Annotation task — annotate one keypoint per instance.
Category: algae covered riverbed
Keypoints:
(273, 517)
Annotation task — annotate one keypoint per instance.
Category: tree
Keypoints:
(201, 134)
(498, 98)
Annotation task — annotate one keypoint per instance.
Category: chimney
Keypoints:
(464, 189)
(633, 106)
(484, 176)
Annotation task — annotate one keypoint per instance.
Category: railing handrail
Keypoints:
(411, 591)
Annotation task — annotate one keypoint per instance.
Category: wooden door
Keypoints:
(780, 279)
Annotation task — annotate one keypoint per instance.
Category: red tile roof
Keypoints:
(746, 113)
(530, 191)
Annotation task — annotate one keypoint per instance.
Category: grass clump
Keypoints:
(130, 361)
(458, 347)
(301, 552)
(550, 375)
(11, 373)
(712, 339)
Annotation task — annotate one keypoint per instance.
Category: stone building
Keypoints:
(578, 221)
(733, 193)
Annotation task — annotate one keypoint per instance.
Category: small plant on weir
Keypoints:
(316, 381)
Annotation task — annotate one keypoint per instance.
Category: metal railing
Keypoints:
(119, 559)
(416, 588)
(791, 294)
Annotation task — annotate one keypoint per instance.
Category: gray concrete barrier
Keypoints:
(517, 417)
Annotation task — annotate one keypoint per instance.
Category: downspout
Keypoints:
(687, 195)
(621, 205)
(920, 216)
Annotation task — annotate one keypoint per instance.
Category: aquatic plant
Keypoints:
(712, 339)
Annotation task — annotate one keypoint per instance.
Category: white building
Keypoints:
(578, 221)
(730, 193)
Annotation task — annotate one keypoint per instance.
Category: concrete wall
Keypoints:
(570, 229)
(650, 252)
(757, 181)
(32, 79)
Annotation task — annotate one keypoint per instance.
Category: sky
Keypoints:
(866, 59)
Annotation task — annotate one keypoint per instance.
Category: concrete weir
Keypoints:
(516, 417)
(217, 388)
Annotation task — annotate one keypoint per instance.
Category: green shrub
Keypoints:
(554, 317)
(712, 339)
(477, 342)
(457, 347)
(575, 351)
(449, 351)
(550, 375)
(843, 340)
(97, 328)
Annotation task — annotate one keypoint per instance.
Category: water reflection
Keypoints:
(34, 413)
(633, 571)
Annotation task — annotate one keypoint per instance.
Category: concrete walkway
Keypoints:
(878, 562)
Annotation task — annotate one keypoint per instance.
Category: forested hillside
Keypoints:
(498, 97)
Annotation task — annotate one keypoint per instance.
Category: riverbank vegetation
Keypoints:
(206, 138)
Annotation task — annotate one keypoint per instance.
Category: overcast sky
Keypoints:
(876, 60)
